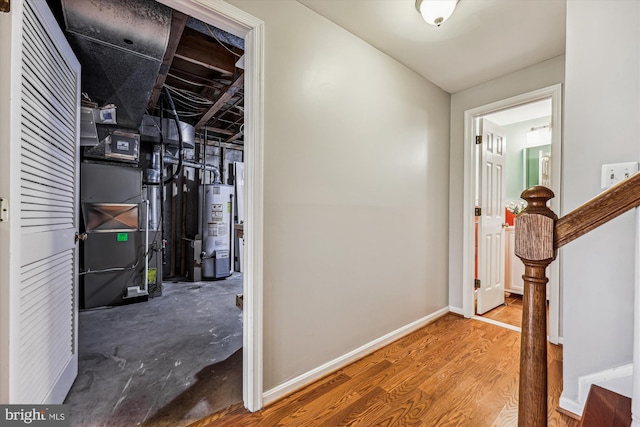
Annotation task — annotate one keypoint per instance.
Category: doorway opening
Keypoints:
(526, 129)
(169, 217)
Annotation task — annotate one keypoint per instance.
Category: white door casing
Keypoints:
(555, 93)
(491, 234)
(39, 160)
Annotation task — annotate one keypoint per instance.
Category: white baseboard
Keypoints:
(619, 380)
(337, 363)
(495, 322)
(571, 406)
(456, 310)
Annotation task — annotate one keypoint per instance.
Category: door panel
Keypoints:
(491, 251)
(40, 251)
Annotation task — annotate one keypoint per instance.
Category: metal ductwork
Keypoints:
(152, 126)
(120, 45)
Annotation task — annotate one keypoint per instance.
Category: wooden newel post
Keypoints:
(534, 246)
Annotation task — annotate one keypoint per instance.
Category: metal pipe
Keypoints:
(187, 164)
(146, 251)
(178, 170)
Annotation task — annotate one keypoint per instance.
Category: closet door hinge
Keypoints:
(476, 284)
(5, 6)
(4, 210)
(478, 139)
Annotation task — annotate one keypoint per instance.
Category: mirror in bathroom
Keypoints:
(537, 166)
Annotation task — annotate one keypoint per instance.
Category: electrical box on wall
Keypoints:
(615, 172)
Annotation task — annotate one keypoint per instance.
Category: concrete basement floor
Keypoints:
(166, 362)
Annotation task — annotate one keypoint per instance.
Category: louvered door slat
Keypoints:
(45, 139)
(49, 199)
(41, 162)
(40, 55)
(54, 157)
(37, 189)
(33, 331)
(51, 132)
(39, 90)
(35, 274)
(40, 173)
(42, 48)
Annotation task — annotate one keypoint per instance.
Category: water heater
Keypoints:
(217, 232)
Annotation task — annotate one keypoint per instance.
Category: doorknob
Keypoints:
(80, 236)
(505, 225)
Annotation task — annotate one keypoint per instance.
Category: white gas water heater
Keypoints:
(217, 231)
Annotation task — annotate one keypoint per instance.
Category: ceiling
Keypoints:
(521, 113)
(483, 39)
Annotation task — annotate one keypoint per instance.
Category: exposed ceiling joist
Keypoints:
(198, 49)
(222, 100)
(234, 137)
(218, 130)
(178, 23)
(226, 145)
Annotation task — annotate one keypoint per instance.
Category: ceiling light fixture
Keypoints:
(435, 12)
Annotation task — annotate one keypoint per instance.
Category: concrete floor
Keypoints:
(165, 362)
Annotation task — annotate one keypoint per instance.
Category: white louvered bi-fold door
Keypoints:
(43, 210)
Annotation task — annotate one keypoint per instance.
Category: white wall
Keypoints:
(602, 110)
(356, 192)
(542, 75)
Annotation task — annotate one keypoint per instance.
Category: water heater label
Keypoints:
(216, 211)
(122, 237)
(217, 229)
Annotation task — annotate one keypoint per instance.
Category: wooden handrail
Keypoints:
(604, 207)
(539, 234)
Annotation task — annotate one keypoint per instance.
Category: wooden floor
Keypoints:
(510, 312)
(452, 372)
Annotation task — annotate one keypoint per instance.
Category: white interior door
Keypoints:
(491, 234)
(39, 139)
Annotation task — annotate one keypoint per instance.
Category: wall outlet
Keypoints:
(615, 172)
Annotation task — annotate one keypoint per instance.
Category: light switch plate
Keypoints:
(615, 172)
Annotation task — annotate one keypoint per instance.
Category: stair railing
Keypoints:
(539, 235)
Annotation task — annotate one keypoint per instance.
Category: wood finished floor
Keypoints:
(510, 312)
(452, 372)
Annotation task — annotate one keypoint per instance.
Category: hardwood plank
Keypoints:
(605, 408)
(452, 372)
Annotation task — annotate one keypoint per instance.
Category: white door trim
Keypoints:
(555, 93)
(235, 21)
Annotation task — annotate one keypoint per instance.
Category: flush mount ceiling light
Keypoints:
(435, 12)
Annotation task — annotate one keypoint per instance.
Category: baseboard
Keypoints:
(456, 310)
(618, 379)
(496, 323)
(571, 405)
(615, 379)
(301, 380)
